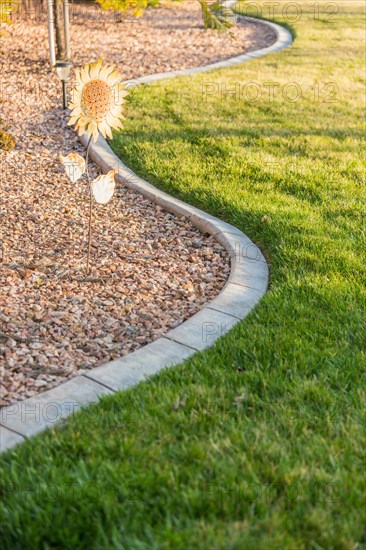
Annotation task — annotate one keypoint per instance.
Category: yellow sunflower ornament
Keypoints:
(97, 100)
(96, 106)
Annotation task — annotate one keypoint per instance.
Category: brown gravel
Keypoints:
(151, 271)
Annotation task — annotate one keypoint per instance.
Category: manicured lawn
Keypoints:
(265, 449)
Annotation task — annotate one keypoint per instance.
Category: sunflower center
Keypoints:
(96, 99)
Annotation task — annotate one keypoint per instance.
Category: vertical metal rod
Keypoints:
(67, 29)
(64, 98)
(90, 204)
(51, 36)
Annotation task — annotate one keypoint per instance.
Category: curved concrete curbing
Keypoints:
(246, 285)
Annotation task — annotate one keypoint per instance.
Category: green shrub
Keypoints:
(131, 7)
(7, 141)
(216, 16)
(7, 7)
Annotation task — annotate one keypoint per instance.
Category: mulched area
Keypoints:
(150, 270)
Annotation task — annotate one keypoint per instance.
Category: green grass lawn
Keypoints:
(266, 450)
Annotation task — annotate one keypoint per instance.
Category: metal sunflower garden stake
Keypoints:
(96, 106)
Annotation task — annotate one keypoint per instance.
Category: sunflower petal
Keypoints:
(91, 128)
(119, 93)
(76, 111)
(113, 122)
(77, 75)
(109, 132)
(116, 111)
(102, 127)
(95, 133)
(84, 74)
(114, 78)
(73, 120)
(80, 130)
(95, 69)
(106, 71)
(75, 95)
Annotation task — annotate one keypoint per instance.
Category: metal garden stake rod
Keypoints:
(90, 204)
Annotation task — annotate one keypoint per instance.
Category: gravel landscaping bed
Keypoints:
(150, 270)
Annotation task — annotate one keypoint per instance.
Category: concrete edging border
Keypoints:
(247, 283)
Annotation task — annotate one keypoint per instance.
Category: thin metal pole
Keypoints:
(64, 98)
(51, 36)
(90, 204)
(67, 29)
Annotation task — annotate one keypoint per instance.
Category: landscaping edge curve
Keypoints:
(246, 285)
